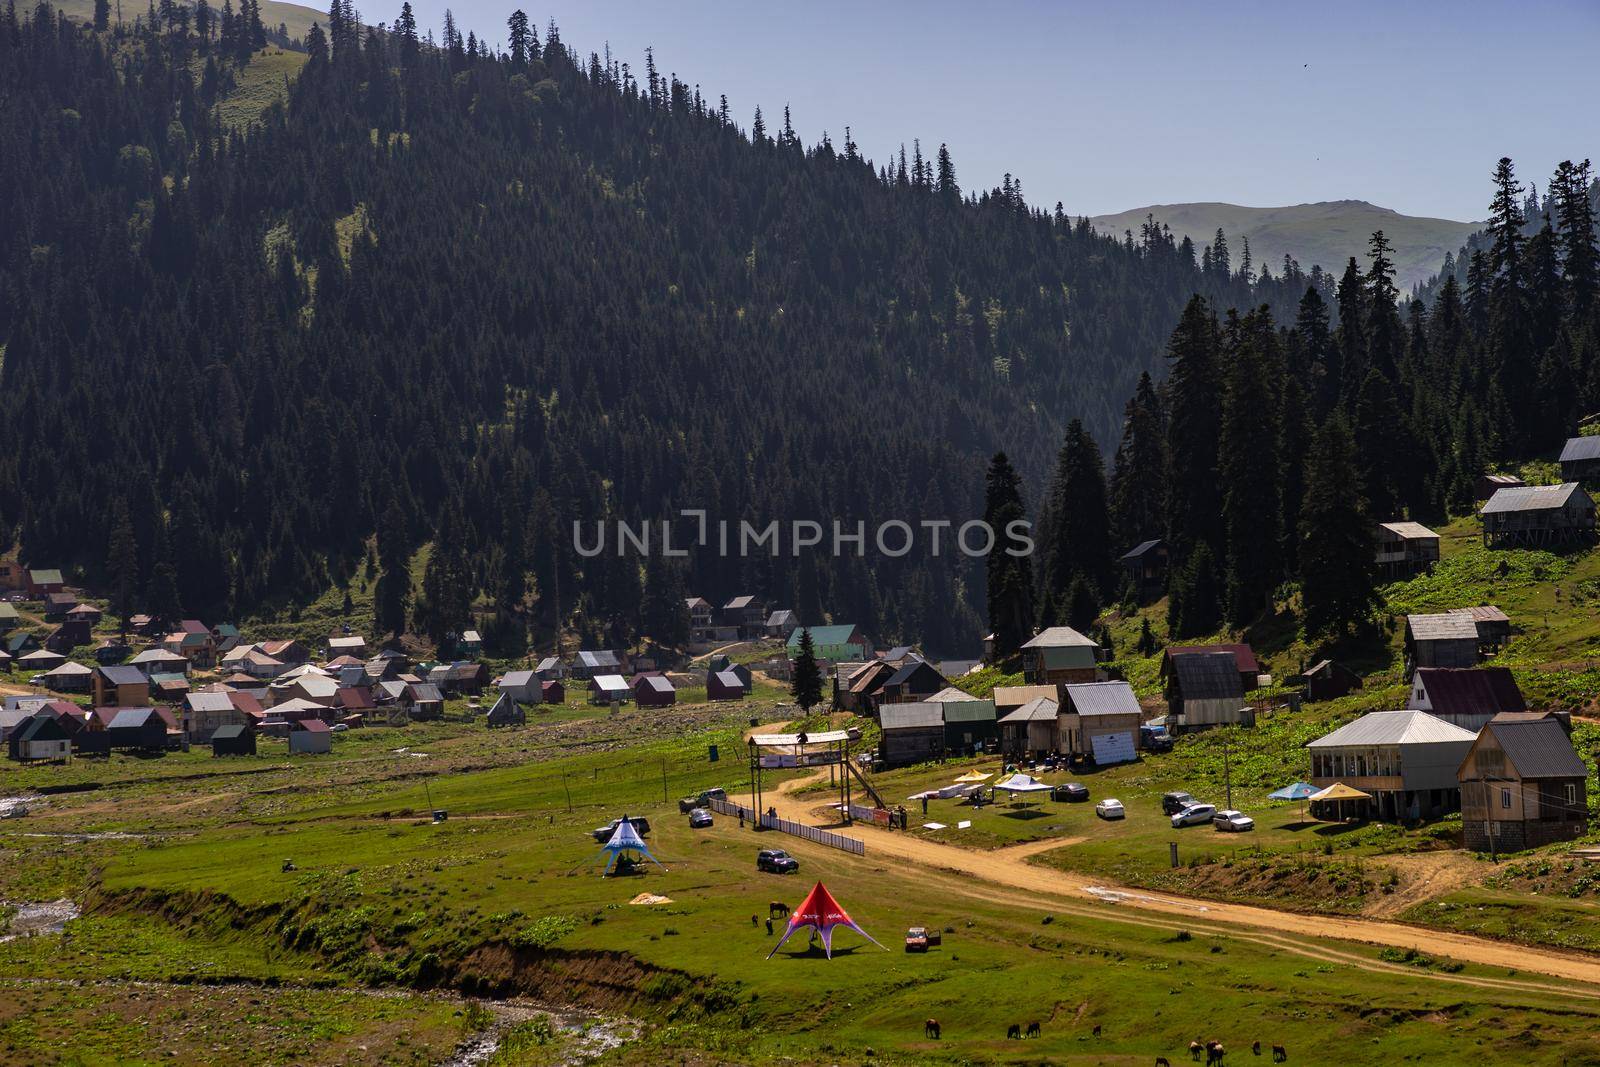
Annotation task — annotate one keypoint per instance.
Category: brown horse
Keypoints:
(1162, 1061)
(1014, 1031)
(1195, 1048)
(1214, 1053)
(778, 908)
(1033, 1029)
(1279, 1055)
(931, 1029)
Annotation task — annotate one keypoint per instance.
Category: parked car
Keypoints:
(701, 800)
(699, 819)
(776, 861)
(1155, 738)
(917, 939)
(1172, 803)
(1233, 821)
(603, 834)
(339, 727)
(1110, 808)
(1073, 791)
(1193, 815)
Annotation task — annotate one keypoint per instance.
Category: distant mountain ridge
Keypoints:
(1323, 234)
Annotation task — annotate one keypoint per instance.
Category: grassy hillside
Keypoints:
(263, 82)
(295, 18)
(1325, 234)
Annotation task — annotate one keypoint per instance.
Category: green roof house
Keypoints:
(836, 643)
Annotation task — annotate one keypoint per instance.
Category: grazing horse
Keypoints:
(1033, 1029)
(778, 908)
(1195, 1048)
(1255, 1048)
(1096, 1030)
(931, 1029)
(1162, 1061)
(1014, 1031)
(1214, 1053)
(1279, 1055)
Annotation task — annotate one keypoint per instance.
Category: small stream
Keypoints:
(591, 1034)
(39, 917)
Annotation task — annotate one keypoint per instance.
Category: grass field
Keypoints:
(260, 84)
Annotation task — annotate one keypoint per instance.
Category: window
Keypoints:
(1572, 793)
(1505, 798)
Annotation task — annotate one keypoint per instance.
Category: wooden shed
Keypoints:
(1204, 689)
(41, 737)
(915, 681)
(725, 685)
(234, 739)
(310, 736)
(912, 733)
(654, 691)
(1445, 639)
(1405, 548)
(970, 723)
(1489, 484)
(507, 711)
(1580, 459)
(552, 691)
(521, 686)
(1032, 729)
(141, 729)
(1328, 680)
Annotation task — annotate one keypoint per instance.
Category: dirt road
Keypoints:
(1006, 876)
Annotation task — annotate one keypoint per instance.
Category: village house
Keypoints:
(41, 738)
(586, 664)
(353, 702)
(1494, 625)
(521, 686)
(1522, 786)
(1034, 729)
(912, 733)
(1058, 655)
(1144, 567)
(193, 641)
(41, 660)
(1327, 680)
(423, 701)
(701, 628)
(915, 681)
(142, 729)
(551, 669)
(233, 740)
(12, 575)
(552, 691)
(1405, 760)
(609, 689)
(20, 643)
(9, 618)
(1488, 485)
(1244, 658)
(85, 613)
(970, 723)
(310, 737)
(654, 691)
(1538, 516)
(1101, 720)
(1405, 548)
(290, 653)
(1444, 639)
(43, 581)
(203, 713)
(347, 645)
(154, 661)
(56, 606)
(782, 623)
(69, 677)
(725, 685)
(470, 643)
(1580, 459)
(1204, 689)
(69, 635)
(1008, 698)
(1466, 697)
(746, 615)
(862, 688)
(832, 643)
(507, 711)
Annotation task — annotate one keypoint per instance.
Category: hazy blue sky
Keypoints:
(1108, 106)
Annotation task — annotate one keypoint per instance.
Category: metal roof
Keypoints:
(657, 683)
(1445, 626)
(1102, 698)
(517, 678)
(970, 710)
(1538, 749)
(132, 718)
(1039, 709)
(1394, 728)
(1141, 548)
(1483, 613)
(208, 701)
(823, 635)
(1211, 675)
(1017, 695)
(915, 715)
(1529, 498)
(610, 681)
(1243, 655)
(1470, 690)
(602, 658)
(1059, 637)
(905, 674)
(1409, 531)
(1580, 448)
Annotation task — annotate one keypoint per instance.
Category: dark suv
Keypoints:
(1172, 803)
(776, 861)
(603, 834)
(701, 800)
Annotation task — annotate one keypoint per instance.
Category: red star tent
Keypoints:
(821, 913)
(626, 839)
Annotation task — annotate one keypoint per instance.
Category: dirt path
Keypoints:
(1423, 876)
(1006, 876)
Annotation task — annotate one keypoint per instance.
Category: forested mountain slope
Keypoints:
(468, 299)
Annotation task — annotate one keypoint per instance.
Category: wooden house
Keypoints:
(861, 690)
(1494, 625)
(160, 661)
(39, 739)
(552, 691)
(470, 643)
(1488, 484)
(43, 581)
(970, 723)
(291, 653)
(590, 662)
(40, 660)
(745, 614)
(1405, 760)
(781, 623)
(56, 606)
(912, 733)
(1405, 548)
(1538, 516)
(725, 685)
(205, 713)
(347, 645)
(1444, 639)
(1059, 655)
(1523, 785)
(71, 634)
(1144, 568)
(609, 689)
(1101, 720)
(20, 644)
(13, 575)
(1465, 697)
(551, 669)
(832, 643)
(507, 711)
(86, 613)
(1580, 459)
(141, 729)
(913, 682)
(310, 737)
(1204, 689)
(1008, 698)
(10, 619)
(1327, 680)
(521, 686)
(69, 677)
(237, 739)
(702, 629)
(1244, 658)
(423, 701)
(1034, 729)
(654, 691)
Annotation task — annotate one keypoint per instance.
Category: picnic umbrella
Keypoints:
(1340, 791)
(1296, 791)
(822, 913)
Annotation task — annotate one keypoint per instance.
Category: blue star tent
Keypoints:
(626, 839)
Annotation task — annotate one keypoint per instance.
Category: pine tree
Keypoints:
(520, 35)
(1078, 544)
(1249, 454)
(1377, 436)
(664, 609)
(1317, 362)
(947, 186)
(1510, 340)
(102, 15)
(1580, 263)
(805, 683)
(392, 596)
(1139, 471)
(1336, 566)
(1193, 429)
(1351, 334)
(122, 564)
(1384, 336)
(1083, 605)
(1010, 577)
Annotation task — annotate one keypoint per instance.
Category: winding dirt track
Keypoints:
(1005, 876)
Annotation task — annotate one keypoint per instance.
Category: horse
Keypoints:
(755, 920)
(1096, 1030)
(1195, 1048)
(1255, 1048)
(777, 908)
(1162, 1061)
(1014, 1031)
(1033, 1029)
(1279, 1055)
(1214, 1053)
(931, 1029)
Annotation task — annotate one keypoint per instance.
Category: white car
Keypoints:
(1110, 808)
(1194, 815)
(1233, 821)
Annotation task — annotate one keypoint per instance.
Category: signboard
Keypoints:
(779, 761)
(1113, 748)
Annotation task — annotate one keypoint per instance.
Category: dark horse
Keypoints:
(931, 1029)
(778, 908)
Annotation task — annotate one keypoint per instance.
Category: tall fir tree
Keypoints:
(1337, 582)
(1193, 429)
(805, 684)
(1253, 385)
(1139, 471)
(1078, 542)
(1010, 577)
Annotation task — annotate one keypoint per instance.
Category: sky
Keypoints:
(1109, 106)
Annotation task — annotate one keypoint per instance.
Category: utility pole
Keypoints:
(1227, 773)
